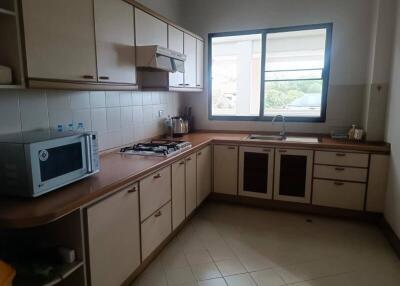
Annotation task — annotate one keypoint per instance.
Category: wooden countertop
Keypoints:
(118, 170)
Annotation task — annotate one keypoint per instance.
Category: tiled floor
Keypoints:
(239, 246)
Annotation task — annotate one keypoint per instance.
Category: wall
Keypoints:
(120, 118)
(392, 209)
(168, 8)
(352, 36)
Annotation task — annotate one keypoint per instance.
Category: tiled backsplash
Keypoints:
(119, 117)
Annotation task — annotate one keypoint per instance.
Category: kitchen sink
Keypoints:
(258, 137)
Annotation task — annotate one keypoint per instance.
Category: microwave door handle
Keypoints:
(88, 141)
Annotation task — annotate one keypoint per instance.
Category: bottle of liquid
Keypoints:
(60, 128)
(71, 127)
(352, 132)
(80, 127)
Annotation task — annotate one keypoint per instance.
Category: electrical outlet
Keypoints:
(160, 113)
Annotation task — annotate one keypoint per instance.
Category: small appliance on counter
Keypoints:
(36, 162)
(5, 75)
(159, 148)
(180, 126)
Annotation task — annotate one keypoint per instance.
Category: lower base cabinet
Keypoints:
(190, 184)
(113, 236)
(338, 194)
(204, 159)
(156, 229)
(178, 193)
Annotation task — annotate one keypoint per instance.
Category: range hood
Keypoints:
(157, 58)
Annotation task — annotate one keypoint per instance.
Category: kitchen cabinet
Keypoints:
(225, 169)
(155, 191)
(155, 230)
(175, 43)
(115, 41)
(190, 63)
(293, 175)
(178, 193)
(59, 40)
(256, 169)
(199, 64)
(377, 183)
(339, 158)
(204, 157)
(114, 236)
(191, 183)
(150, 30)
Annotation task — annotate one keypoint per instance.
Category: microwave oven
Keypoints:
(37, 162)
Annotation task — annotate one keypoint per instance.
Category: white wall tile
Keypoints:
(125, 98)
(58, 99)
(147, 98)
(127, 135)
(112, 99)
(60, 117)
(80, 100)
(137, 115)
(147, 114)
(137, 98)
(97, 99)
(126, 116)
(82, 116)
(34, 112)
(99, 120)
(113, 119)
(10, 120)
(155, 98)
(113, 139)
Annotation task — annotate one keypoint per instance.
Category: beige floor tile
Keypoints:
(198, 257)
(240, 280)
(177, 276)
(213, 282)
(267, 278)
(230, 267)
(173, 259)
(205, 271)
(219, 250)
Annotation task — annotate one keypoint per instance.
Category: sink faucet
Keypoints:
(283, 132)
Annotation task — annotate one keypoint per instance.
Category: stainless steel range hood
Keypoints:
(157, 58)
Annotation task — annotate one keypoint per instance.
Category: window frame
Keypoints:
(263, 33)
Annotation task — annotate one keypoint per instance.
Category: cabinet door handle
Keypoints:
(132, 190)
(232, 148)
(186, 84)
(182, 163)
(339, 183)
(340, 169)
(282, 151)
(88, 76)
(181, 84)
(157, 176)
(199, 154)
(198, 85)
(189, 159)
(340, 154)
(104, 77)
(158, 214)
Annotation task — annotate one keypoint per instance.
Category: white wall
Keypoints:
(120, 118)
(168, 8)
(352, 37)
(392, 210)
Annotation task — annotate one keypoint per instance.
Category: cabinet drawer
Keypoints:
(341, 159)
(340, 173)
(155, 230)
(155, 191)
(339, 194)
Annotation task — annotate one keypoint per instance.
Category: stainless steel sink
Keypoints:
(266, 137)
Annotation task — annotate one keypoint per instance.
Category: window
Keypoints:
(256, 75)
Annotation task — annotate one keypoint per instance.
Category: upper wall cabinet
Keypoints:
(115, 41)
(175, 42)
(150, 30)
(199, 63)
(190, 64)
(59, 39)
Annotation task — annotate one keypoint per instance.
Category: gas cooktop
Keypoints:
(160, 148)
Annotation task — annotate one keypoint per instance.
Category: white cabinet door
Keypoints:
(204, 158)
(114, 238)
(175, 42)
(225, 169)
(150, 30)
(190, 63)
(59, 39)
(178, 194)
(199, 64)
(191, 185)
(377, 183)
(256, 171)
(115, 41)
(293, 175)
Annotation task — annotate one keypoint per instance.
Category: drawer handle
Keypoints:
(157, 176)
(340, 154)
(199, 154)
(340, 169)
(338, 183)
(181, 84)
(189, 159)
(182, 163)
(104, 77)
(88, 76)
(133, 190)
(198, 85)
(282, 151)
(158, 214)
(232, 148)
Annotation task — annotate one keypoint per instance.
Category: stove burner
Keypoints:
(157, 148)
